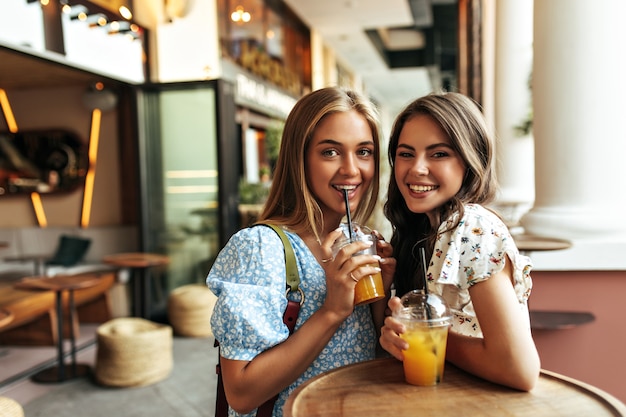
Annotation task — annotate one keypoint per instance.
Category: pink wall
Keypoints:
(592, 353)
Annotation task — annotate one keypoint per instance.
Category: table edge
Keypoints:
(600, 394)
(611, 402)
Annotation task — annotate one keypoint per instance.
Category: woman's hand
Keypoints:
(390, 339)
(343, 271)
(388, 269)
(387, 261)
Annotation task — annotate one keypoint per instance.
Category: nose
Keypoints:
(421, 167)
(349, 166)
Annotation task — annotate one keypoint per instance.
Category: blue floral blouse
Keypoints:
(248, 278)
(471, 253)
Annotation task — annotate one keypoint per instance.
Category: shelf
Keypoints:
(557, 320)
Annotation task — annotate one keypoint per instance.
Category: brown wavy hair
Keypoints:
(462, 121)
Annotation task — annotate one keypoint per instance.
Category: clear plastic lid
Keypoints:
(357, 230)
(417, 305)
(359, 233)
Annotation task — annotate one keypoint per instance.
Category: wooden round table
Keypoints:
(60, 283)
(531, 243)
(377, 388)
(140, 264)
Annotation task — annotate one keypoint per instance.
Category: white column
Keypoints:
(579, 95)
(513, 67)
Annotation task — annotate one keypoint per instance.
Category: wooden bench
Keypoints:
(34, 317)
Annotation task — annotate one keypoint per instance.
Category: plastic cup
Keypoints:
(427, 320)
(369, 288)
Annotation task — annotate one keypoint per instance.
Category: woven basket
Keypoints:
(133, 352)
(189, 310)
(10, 408)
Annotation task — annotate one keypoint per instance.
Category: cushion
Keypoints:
(71, 250)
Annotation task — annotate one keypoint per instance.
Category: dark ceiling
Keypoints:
(19, 71)
(439, 31)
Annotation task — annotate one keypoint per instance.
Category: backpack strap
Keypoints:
(293, 280)
(293, 277)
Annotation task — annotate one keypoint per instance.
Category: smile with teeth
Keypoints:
(422, 188)
(345, 187)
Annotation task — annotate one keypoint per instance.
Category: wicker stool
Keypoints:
(133, 352)
(189, 310)
(10, 408)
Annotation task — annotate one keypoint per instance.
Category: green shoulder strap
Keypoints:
(293, 278)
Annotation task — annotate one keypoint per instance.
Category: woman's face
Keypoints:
(428, 171)
(340, 156)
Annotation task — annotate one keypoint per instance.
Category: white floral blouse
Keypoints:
(248, 278)
(469, 254)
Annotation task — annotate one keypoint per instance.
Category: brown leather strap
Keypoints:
(291, 314)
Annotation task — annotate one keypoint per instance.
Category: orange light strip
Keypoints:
(8, 113)
(39, 211)
(94, 137)
(12, 125)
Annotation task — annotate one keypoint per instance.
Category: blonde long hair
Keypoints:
(290, 202)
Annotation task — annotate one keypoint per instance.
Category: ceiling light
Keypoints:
(125, 12)
(99, 97)
(240, 15)
(75, 11)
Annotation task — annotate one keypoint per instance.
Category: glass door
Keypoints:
(182, 215)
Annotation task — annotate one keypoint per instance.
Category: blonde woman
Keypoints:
(330, 143)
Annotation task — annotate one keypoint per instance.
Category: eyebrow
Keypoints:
(429, 147)
(335, 142)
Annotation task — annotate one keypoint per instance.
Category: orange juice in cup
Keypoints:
(426, 318)
(369, 288)
(424, 359)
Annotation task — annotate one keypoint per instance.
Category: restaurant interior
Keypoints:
(136, 136)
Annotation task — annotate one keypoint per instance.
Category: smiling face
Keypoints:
(340, 156)
(428, 171)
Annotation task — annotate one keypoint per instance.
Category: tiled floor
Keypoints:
(18, 363)
(187, 391)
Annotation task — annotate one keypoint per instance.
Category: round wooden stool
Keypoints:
(6, 317)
